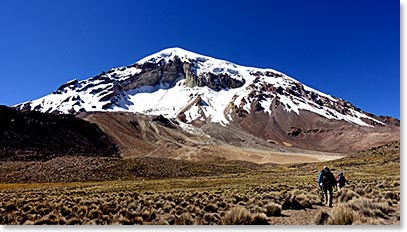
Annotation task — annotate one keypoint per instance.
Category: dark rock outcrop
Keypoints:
(39, 136)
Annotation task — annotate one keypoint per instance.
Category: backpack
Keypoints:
(324, 178)
(340, 179)
(327, 179)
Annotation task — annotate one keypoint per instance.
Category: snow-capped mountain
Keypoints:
(190, 88)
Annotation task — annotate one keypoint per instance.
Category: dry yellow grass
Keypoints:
(241, 198)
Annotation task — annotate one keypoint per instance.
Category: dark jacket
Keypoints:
(328, 179)
(340, 179)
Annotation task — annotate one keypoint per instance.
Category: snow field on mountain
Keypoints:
(197, 103)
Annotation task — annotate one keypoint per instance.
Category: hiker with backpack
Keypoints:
(327, 181)
(319, 181)
(340, 180)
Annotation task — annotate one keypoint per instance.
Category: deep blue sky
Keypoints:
(349, 49)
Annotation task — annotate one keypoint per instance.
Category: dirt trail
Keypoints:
(299, 217)
(308, 216)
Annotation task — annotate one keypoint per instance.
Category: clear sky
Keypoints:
(349, 49)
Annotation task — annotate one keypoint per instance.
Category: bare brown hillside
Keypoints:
(156, 136)
(308, 130)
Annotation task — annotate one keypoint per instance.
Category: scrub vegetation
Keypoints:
(258, 194)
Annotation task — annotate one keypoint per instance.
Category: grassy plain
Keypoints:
(252, 194)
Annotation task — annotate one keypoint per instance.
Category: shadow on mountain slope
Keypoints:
(39, 136)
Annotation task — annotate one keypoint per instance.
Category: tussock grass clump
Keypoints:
(211, 208)
(360, 204)
(270, 196)
(82, 210)
(321, 217)
(315, 199)
(341, 215)
(50, 219)
(345, 195)
(368, 208)
(260, 219)
(392, 195)
(381, 185)
(43, 210)
(211, 218)
(395, 184)
(66, 212)
(296, 200)
(29, 222)
(303, 200)
(138, 220)
(257, 209)
(184, 219)
(125, 221)
(221, 204)
(272, 209)
(145, 214)
(62, 221)
(237, 216)
(368, 221)
(158, 204)
(237, 198)
(168, 207)
(26, 208)
(94, 214)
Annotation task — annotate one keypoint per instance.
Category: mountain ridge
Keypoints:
(119, 88)
(197, 90)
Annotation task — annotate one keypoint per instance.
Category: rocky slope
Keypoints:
(155, 136)
(39, 136)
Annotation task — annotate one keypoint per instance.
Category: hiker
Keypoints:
(326, 183)
(319, 181)
(340, 180)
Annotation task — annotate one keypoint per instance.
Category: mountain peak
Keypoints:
(190, 87)
(170, 53)
(177, 51)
